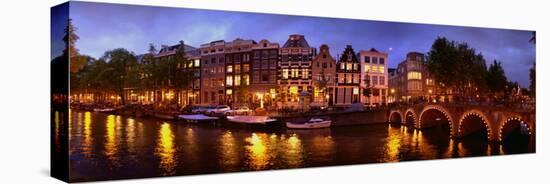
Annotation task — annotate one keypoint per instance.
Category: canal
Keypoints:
(104, 146)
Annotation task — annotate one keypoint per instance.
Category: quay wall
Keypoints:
(345, 118)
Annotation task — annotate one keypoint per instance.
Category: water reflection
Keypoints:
(110, 138)
(393, 144)
(228, 151)
(57, 132)
(293, 154)
(87, 145)
(257, 151)
(131, 137)
(166, 150)
(322, 148)
(111, 146)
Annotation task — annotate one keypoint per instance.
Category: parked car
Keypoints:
(239, 111)
(201, 109)
(220, 109)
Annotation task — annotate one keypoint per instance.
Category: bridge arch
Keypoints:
(433, 113)
(511, 123)
(411, 118)
(476, 120)
(395, 117)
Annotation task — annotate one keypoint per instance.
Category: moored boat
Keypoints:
(311, 124)
(165, 115)
(262, 120)
(196, 117)
(104, 109)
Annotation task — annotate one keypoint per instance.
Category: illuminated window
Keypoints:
(367, 68)
(305, 73)
(229, 68)
(229, 92)
(238, 68)
(246, 80)
(342, 66)
(293, 90)
(229, 81)
(294, 73)
(285, 73)
(381, 69)
(197, 62)
(349, 66)
(246, 68)
(237, 80)
(355, 91)
(414, 75)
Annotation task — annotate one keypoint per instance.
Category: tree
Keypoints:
(533, 80)
(177, 76)
(322, 82)
(77, 62)
(496, 78)
(457, 66)
(121, 71)
(368, 87)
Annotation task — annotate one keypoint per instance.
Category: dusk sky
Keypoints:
(102, 27)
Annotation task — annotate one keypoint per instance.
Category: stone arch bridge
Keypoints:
(463, 120)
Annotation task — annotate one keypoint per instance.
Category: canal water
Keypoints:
(104, 146)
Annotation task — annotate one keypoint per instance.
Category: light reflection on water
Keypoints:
(114, 147)
(166, 149)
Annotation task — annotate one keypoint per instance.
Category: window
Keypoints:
(229, 68)
(382, 80)
(246, 68)
(367, 68)
(374, 68)
(237, 80)
(229, 81)
(305, 73)
(324, 65)
(381, 61)
(343, 66)
(381, 69)
(238, 68)
(414, 75)
(324, 56)
(350, 67)
(349, 78)
(285, 73)
(367, 59)
(355, 91)
(265, 77)
(197, 62)
(229, 92)
(374, 80)
(246, 57)
(294, 73)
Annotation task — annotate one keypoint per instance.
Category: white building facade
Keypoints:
(374, 66)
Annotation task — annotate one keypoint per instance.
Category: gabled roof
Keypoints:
(296, 40)
(348, 55)
(169, 50)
